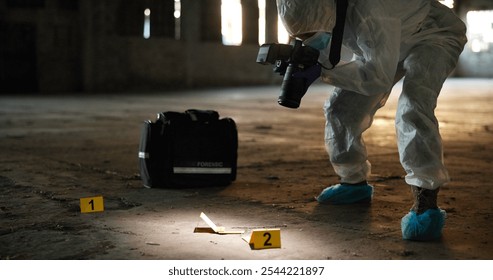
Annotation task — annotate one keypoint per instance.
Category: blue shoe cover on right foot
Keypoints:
(425, 226)
(346, 194)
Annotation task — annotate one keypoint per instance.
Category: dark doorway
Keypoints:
(18, 71)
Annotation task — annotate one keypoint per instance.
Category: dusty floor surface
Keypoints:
(58, 149)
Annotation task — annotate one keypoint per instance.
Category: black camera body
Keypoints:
(287, 61)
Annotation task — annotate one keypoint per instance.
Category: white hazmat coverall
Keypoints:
(420, 40)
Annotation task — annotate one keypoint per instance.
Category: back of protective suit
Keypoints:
(405, 19)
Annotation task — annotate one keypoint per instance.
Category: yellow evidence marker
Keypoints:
(265, 238)
(91, 204)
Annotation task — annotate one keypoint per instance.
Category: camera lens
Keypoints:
(292, 89)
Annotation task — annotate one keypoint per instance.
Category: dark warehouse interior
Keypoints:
(98, 46)
(78, 79)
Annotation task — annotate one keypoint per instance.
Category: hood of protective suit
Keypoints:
(307, 16)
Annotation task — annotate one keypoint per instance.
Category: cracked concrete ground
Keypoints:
(56, 149)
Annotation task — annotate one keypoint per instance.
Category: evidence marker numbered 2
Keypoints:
(264, 238)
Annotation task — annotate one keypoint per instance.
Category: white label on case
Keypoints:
(201, 170)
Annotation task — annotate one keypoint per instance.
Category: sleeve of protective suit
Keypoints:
(377, 38)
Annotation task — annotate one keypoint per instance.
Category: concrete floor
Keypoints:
(56, 149)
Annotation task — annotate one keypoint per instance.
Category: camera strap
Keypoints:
(338, 32)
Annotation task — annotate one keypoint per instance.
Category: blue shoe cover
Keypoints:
(346, 194)
(425, 226)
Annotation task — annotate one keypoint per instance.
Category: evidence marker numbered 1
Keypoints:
(91, 204)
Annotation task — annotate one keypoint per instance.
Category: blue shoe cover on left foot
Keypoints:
(425, 226)
(346, 194)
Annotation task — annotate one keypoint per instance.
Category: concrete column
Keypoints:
(210, 20)
(270, 21)
(250, 21)
(162, 19)
(87, 45)
(190, 20)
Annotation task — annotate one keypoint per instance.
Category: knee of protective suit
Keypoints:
(429, 65)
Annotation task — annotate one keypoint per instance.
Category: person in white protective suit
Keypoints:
(418, 40)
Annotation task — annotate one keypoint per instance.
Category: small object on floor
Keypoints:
(423, 227)
(212, 228)
(346, 194)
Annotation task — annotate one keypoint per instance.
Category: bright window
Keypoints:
(177, 15)
(282, 33)
(480, 30)
(147, 24)
(231, 22)
(448, 3)
(261, 22)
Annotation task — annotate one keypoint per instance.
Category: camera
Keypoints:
(289, 60)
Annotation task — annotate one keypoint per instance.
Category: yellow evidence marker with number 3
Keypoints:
(265, 238)
(91, 204)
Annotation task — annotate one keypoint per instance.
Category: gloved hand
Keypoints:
(295, 85)
(311, 74)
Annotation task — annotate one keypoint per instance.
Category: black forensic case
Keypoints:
(191, 149)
